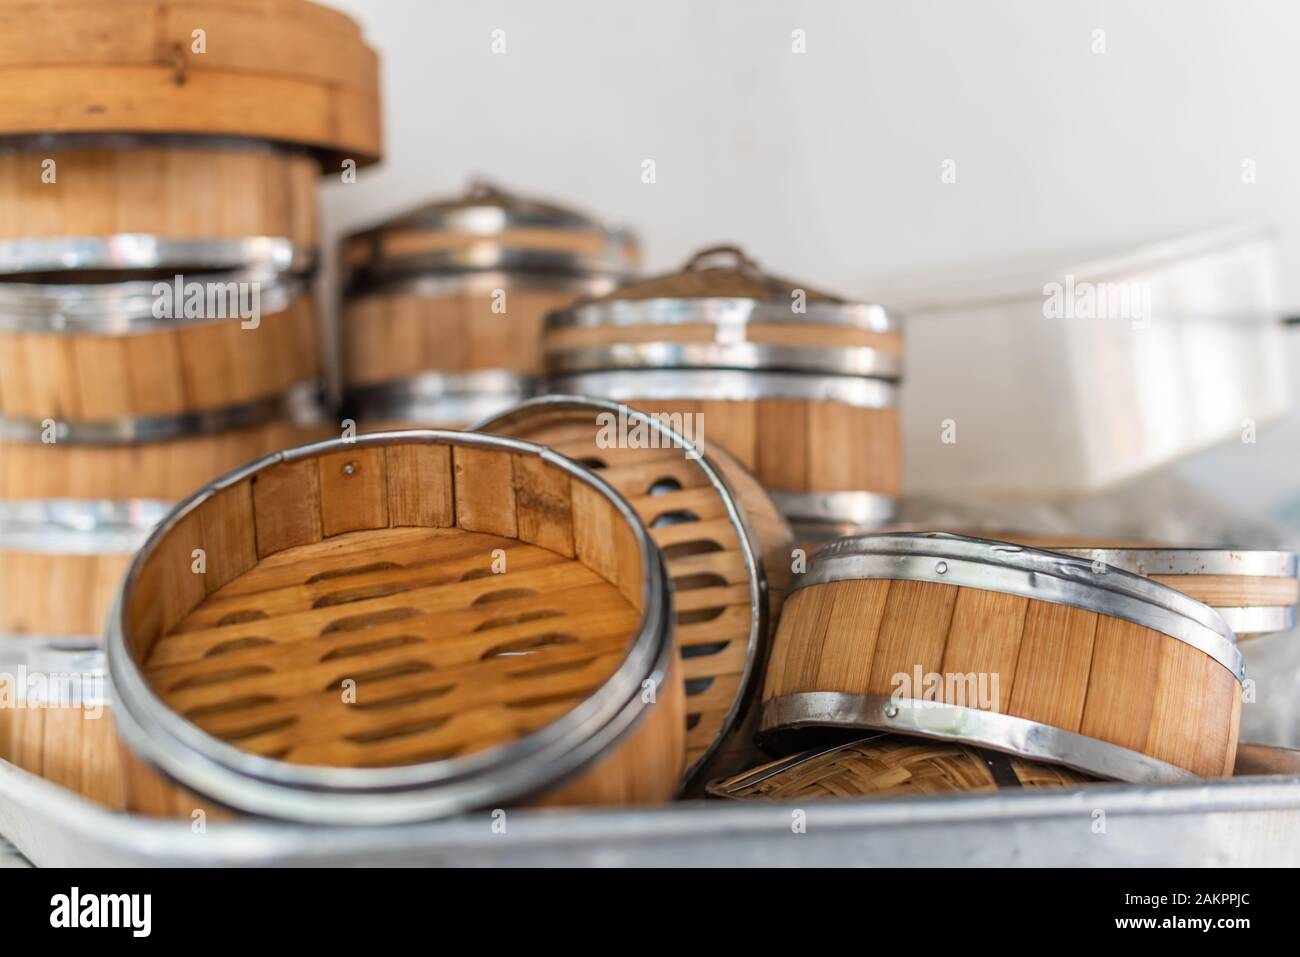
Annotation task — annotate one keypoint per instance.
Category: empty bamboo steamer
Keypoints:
(193, 193)
(1002, 646)
(892, 765)
(442, 319)
(394, 628)
(285, 71)
(725, 544)
(799, 385)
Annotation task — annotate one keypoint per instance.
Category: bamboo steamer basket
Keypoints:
(726, 546)
(370, 561)
(806, 399)
(285, 71)
(443, 313)
(182, 189)
(1103, 671)
(891, 765)
(96, 353)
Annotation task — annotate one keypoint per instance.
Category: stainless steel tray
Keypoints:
(1244, 821)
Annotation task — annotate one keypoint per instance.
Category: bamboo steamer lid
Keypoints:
(721, 311)
(999, 645)
(725, 544)
(490, 230)
(502, 615)
(280, 70)
(892, 765)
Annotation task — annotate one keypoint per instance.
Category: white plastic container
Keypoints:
(1070, 375)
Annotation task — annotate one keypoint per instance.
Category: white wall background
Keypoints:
(827, 165)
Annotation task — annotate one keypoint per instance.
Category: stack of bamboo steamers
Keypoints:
(443, 310)
(591, 597)
(800, 385)
(158, 235)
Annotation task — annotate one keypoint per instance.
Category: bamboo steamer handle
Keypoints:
(738, 257)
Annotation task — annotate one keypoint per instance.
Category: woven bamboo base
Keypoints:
(891, 766)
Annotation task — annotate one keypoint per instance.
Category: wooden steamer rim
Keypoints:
(940, 558)
(546, 409)
(731, 300)
(488, 229)
(130, 68)
(526, 766)
(1166, 563)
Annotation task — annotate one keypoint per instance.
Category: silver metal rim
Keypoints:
(747, 537)
(1248, 562)
(1258, 619)
(728, 385)
(985, 729)
(144, 251)
(851, 509)
(1030, 573)
(525, 767)
(76, 658)
(487, 255)
(439, 399)
(295, 404)
(726, 355)
(434, 285)
(55, 142)
(78, 526)
(727, 312)
(119, 308)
